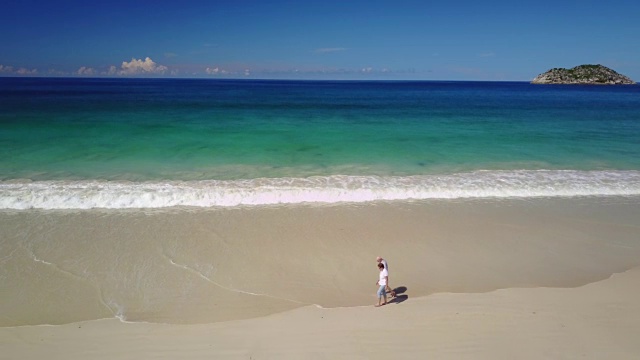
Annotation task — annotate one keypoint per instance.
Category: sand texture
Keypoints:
(595, 321)
(543, 278)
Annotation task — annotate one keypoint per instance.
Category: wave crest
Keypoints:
(318, 189)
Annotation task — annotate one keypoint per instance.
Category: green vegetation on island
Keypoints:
(583, 74)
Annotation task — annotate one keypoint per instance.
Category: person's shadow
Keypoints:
(400, 295)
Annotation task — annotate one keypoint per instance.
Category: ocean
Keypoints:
(198, 201)
(155, 143)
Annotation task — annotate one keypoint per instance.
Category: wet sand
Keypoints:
(478, 277)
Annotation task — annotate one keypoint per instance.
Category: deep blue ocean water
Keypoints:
(83, 143)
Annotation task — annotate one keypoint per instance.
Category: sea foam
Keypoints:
(318, 189)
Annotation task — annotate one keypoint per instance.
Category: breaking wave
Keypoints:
(318, 189)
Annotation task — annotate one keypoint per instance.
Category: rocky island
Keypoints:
(583, 74)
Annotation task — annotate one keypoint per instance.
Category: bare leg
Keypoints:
(390, 291)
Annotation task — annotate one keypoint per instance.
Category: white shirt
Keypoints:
(386, 266)
(383, 277)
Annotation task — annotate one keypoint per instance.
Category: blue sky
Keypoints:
(413, 40)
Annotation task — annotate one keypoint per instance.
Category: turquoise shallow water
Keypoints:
(208, 135)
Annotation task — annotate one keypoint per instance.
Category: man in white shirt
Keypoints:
(382, 282)
(386, 267)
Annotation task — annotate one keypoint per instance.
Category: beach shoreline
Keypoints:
(200, 266)
(482, 278)
(593, 321)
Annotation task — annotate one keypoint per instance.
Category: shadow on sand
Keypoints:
(400, 295)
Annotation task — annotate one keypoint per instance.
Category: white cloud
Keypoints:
(6, 69)
(25, 71)
(367, 70)
(138, 66)
(20, 71)
(86, 71)
(247, 72)
(215, 71)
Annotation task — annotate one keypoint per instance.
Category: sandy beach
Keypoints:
(526, 279)
(596, 321)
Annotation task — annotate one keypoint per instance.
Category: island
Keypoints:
(583, 74)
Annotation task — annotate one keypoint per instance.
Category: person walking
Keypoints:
(382, 261)
(382, 283)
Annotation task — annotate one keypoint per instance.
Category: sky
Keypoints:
(305, 39)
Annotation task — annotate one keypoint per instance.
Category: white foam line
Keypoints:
(36, 259)
(42, 261)
(185, 267)
(56, 267)
(319, 189)
(117, 314)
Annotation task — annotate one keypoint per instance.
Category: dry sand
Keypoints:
(595, 321)
(545, 278)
